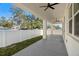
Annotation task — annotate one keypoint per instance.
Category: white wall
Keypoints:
(8, 37)
(71, 41)
(72, 46)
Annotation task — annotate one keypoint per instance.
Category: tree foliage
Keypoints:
(19, 17)
(7, 24)
(27, 21)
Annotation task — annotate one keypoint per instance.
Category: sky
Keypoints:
(5, 10)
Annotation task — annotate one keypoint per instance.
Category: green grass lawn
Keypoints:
(12, 49)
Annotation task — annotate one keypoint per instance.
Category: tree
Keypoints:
(37, 23)
(57, 27)
(25, 25)
(17, 15)
(26, 21)
(2, 20)
(7, 24)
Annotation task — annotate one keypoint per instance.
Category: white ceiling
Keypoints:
(49, 14)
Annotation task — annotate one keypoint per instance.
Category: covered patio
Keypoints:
(50, 45)
(41, 40)
(50, 15)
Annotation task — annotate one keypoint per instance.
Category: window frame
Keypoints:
(73, 21)
(71, 18)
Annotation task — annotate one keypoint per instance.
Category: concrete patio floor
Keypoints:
(53, 46)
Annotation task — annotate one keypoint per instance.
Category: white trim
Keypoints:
(73, 36)
(76, 13)
(71, 11)
(73, 19)
(69, 19)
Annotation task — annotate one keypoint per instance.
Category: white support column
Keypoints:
(52, 28)
(44, 29)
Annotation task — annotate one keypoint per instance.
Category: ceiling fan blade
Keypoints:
(52, 7)
(43, 6)
(45, 9)
(54, 4)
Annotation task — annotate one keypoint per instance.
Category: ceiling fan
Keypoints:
(49, 5)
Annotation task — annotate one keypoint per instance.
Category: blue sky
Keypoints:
(5, 10)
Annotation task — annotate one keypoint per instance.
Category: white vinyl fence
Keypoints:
(8, 37)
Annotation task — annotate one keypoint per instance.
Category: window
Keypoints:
(70, 12)
(70, 20)
(74, 19)
(76, 25)
(76, 7)
(70, 26)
